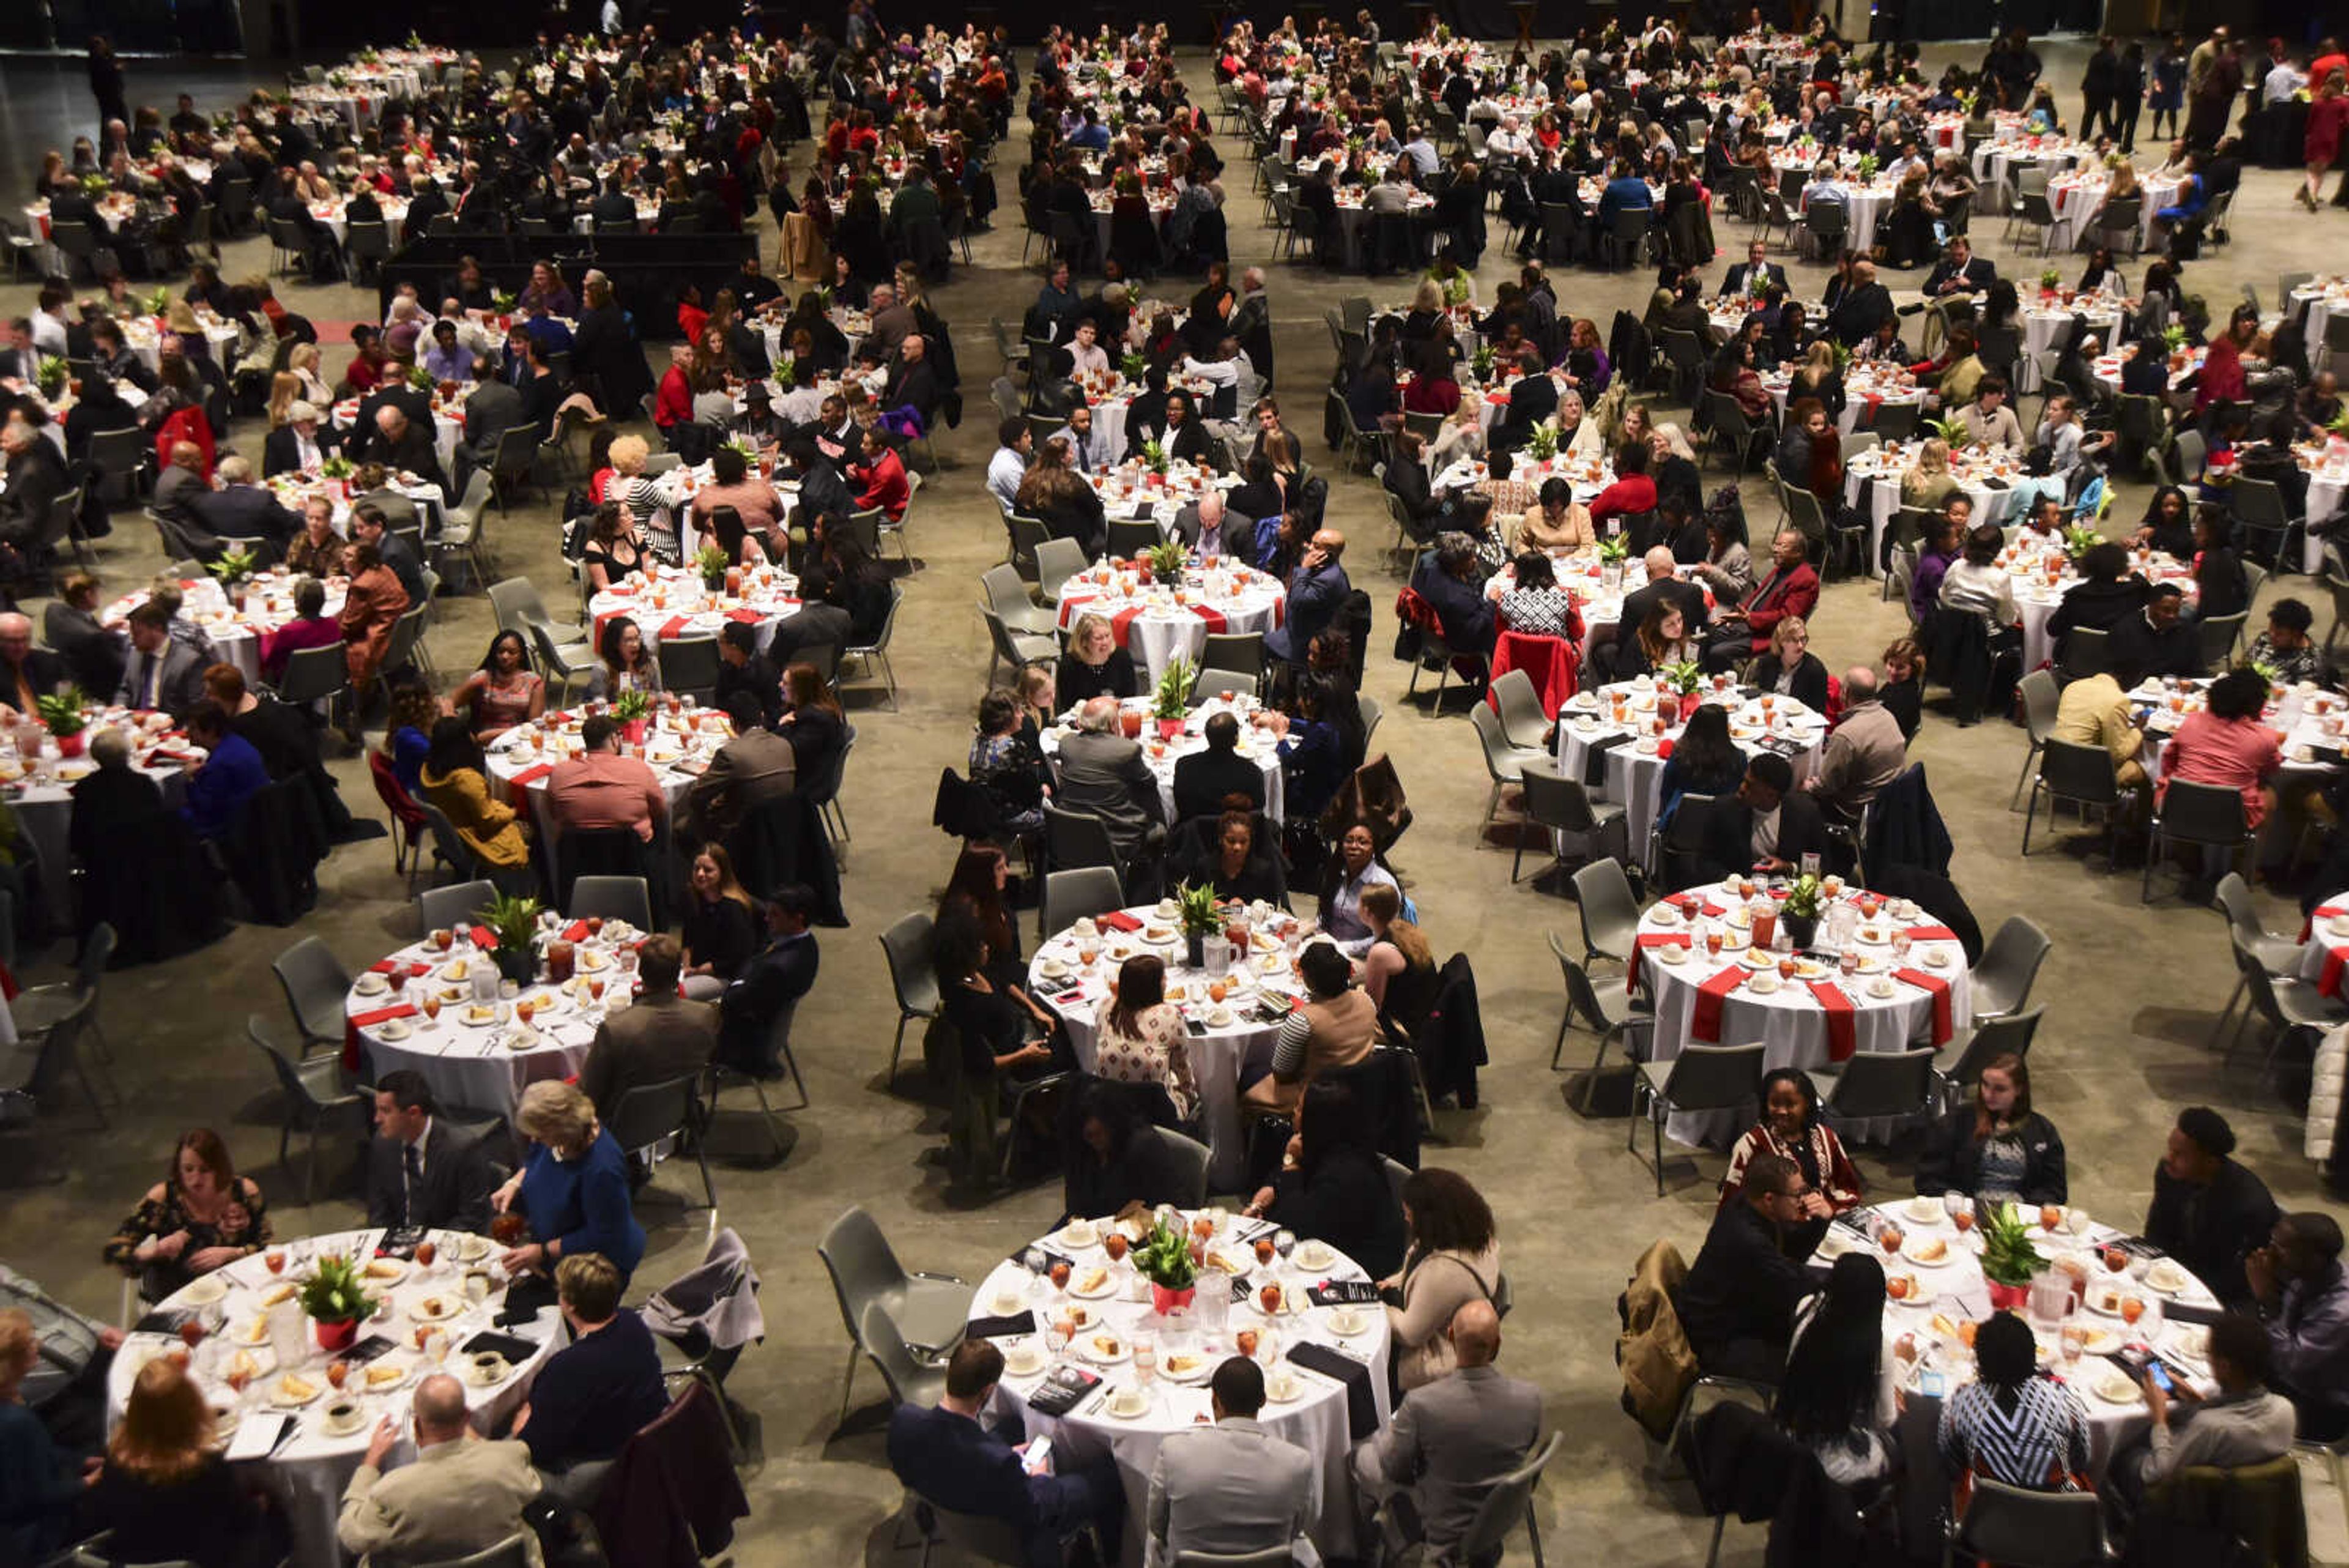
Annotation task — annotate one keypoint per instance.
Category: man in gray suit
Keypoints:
(662, 1036)
(754, 767)
(1102, 774)
(1450, 1441)
(163, 674)
(1232, 1488)
(495, 408)
(1235, 535)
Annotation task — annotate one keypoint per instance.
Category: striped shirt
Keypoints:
(2042, 1439)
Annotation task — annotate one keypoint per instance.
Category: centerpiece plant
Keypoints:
(1163, 1258)
(1195, 903)
(62, 715)
(1800, 909)
(1170, 699)
(513, 918)
(335, 1300)
(2008, 1261)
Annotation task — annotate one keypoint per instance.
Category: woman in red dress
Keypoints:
(2326, 117)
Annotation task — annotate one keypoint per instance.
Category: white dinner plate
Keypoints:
(203, 1292)
(1311, 1255)
(1103, 1346)
(1920, 1251)
(1186, 1367)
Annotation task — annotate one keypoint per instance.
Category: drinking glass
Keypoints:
(1035, 1262)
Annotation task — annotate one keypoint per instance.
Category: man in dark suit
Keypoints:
(1770, 828)
(1753, 274)
(2156, 642)
(425, 202)
(402, 445)
(1211, 516)
(494, 409)
(1204, 779)
(783, 972)
(913, 382)
(37, 477)
(303, 441)
(662, 1037)
(324, 260)
(1316, 590)
(1865, 304)
(615, 209)
(749, 688)
(944, 1456)
(240, 509)
(26, 672)
(1961, 271)
(421, 1171)
(1533, 398)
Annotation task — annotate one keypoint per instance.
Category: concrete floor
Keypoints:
(2133, 990)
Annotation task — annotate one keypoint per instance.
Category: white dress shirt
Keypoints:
(1004, 472)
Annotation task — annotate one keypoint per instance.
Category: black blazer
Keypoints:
(1728, 836)
(1810, 684)
(1074, 681)
(1203, 779)
(281, 449)
(455, 1193)
(1952, 1159)
(782, 973)
(1347, 1204)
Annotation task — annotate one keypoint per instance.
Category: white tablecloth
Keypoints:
(236, 634)
(2075, 198)
(307, 1473)
(1156, 627)
(448, 425)
(669, 754)
(1864, 208)
(769, 597)
(1993, 498)
(1163, 754)
(1635, 772)
(40, 789)
(1234, 1037)
(2043, 323)
(2036, 601)
(481, 1065)
(1315, 1418)
(1788, 1021)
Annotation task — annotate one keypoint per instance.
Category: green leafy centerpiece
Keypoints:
(713, 562)
(1542, 445)
(514, 920)
(1165, 1259)
(1800, 910)
(1201, 920)
(1153, 457)
(630, 709)
(335, 1299)
(1170, 700)
(1167, 561)
(2008, 1261)
(61, 716)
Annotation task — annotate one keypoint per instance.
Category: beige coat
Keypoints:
(1658, 1365)
(457, 1499)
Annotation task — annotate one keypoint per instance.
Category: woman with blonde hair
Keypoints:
(1928, 483)
(284, 391)
(1095, 665)
(165, 1491)
(1399, 970)
(303, 363)
(572, 1186)
(646, 501)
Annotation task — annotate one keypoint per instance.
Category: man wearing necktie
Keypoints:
(1083, 458)
(163, 675)
(421, 1171)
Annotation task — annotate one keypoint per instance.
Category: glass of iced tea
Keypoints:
(431, 1005)
(425, 1252)
(2132, 1309)
(443, 938)
(523, 1007)
(1713, 942)
(338, 1372)
(1889, 1238)
(191, 1332)
(1963, 1219)
(275, 1258)
(507, 1229)
(2116, 1260)
(1115, 1245)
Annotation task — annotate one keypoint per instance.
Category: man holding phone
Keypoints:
(2243, 1424)
(2303, 1300)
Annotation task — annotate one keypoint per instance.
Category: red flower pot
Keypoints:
(2008, 1298)
(633, 732)
(1164, 1301)
(336, 1336)
(1169, 728)
(1689, 702)
(71, 746)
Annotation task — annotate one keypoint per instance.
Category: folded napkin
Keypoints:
(1656, 940)
(485, 938)
(1594, 760)
(1119, 920)
(1684, 902)
(532, 775)
(1705, 1020)
(576, 931)
(2186, 1312)
(382, 1015)
(1342, 1293)
(393, 966)
(1940, 989)
(674, 626)
(1361, 1411)
(1932, 934)
(1842, 1037)
(747, 617)
(1018, 1323)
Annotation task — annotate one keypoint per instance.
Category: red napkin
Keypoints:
(1704, 1023)
(747, 617)
(531, 776)
(1932, 934)
(676, 627)
(382, 1015)
(393, 966)
(2322, 913)
(1941, 991)
(576, 931)
(1684, 902)
(2329, 979)
(1842, 1041)
(1119, 920)
(1212, 617)
(1660, 939)
(485, 938)
(1665, 748)
(170, 754)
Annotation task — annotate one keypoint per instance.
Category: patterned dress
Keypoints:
(162, 1216)
(1153, 1054)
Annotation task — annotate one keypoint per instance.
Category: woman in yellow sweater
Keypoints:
(457, 780)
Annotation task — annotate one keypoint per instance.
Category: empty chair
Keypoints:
(2002, 981)
(1075, 839)
(2040, 698)
(1523, 723)
(650, 1117)
(927, 1311)
(1057, 560)
(315, 983)
(1877, 1083)
(690, 665)
(907, 945)
(454, 907)
(1607, 1008)
(1238, 652)
(312, 1093)
(1069, 895)
(1701, 1078)
(1007, 596)
(1611, 915)
(1187, 1160)
(1505, 765)
(1559, 806)
(626, 899)
(910, 1381)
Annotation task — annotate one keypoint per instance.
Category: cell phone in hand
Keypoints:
(2160, 1376)
(1037, 1456)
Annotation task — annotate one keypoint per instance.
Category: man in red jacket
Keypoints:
(1790, 588)
(882, 475)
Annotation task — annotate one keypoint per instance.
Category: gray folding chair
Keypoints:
(928, 1310)
(910, 1381)
(1958, 1065)
(1701, 1078)
(1510, 1499)
(1523, 723)
(1611, 915)
(1240, 652)
(1057, 560)
(1070, 895)
(316, 985)
(2021, 1529)
(1557, 805)
(2002, 981)
(1007, 596)
(690, 665)
(651, 1118)
(455, 907)
(2208, 816)
(2040, 698)
(1877, 1083)
(907, 946)
(626, 899)
(1505, 765)
(1186, 1158)
(2081, 774)
(1607, 1008)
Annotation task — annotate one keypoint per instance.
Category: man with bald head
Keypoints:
(1865, 752)
(1316, 589)
(26, 672)
(1450, 1441)
(405, 446)
(37, 477)
(1864, 307)
(1210, 518)
(1102, 774)
(461, 1496)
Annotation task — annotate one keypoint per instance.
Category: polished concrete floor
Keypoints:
(2133, 990)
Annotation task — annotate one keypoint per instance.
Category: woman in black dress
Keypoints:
(997, 1031)
(721, 926)
(812, 722)
(1331, 1187)
(1095, 665)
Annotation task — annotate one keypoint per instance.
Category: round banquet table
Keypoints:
(1354, 220)
(40, 789)
(2043, 321)
(1634, 768)
(1998, 164)
(1161, 753)
(2036, 599)
(1949, 1296)
(2327, 467)
(2304, 719)
(2321, 297)
(1130, 490)
(2075, 197)
(1158, 625)
(236, 634)
(483, 1062)
(1585, 475)
(1867, 387)
(1598, 588)
(143, 335)
(1992, 492)
(307, 1472)
(1787, 1017)
(336, 215)
(1865, 204)
(1313, 1415)
(448, 425)
(2325, 955)
(521, 759)
(1237, 1034)
(2107, 368)
(668, 602)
